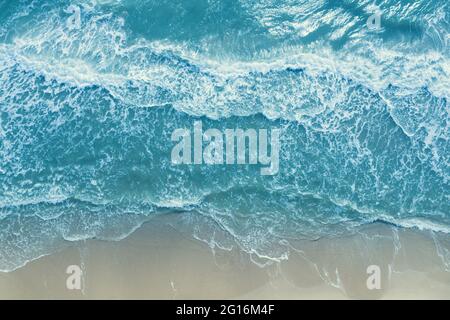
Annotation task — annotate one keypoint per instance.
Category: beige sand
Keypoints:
(161, 262)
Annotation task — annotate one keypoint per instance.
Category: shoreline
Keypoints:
(161, 261)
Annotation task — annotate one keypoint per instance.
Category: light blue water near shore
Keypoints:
(87, 111)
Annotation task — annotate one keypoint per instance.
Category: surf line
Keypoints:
(241, 147)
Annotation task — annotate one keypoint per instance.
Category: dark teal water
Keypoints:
(87, 108)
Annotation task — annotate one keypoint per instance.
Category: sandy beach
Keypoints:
(160, 261)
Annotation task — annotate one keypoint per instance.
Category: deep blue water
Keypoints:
(87, 108)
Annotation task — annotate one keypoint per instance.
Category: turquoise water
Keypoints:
(88, 106)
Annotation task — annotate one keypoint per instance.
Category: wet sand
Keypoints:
(159, 261)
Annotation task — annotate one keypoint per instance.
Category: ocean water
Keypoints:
(91, 91)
